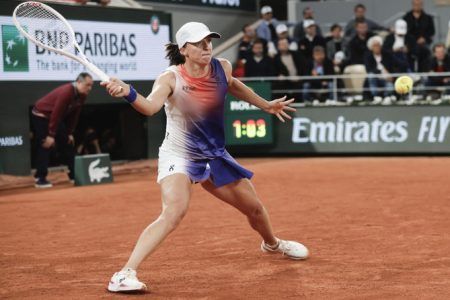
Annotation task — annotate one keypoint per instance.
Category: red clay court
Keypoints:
(377, 228)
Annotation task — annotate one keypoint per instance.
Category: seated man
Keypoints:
(335, 43)
(299, 31)
(246, 43)
(360, 16)
(287, 63)
(319, 66)
(266, 29)
(401, 46)
(382, 63)
(439, 63)
(258, 64)
(357, 47)
(311, 39)
(283, 33)
(89, 144)
(421, 27)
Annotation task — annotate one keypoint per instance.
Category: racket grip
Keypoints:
(94, 69)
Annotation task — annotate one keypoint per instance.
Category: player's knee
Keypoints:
(173, 214)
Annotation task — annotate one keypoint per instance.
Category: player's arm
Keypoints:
(162, 88)
(236, 88)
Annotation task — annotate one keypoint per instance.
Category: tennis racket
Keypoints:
(32, 14)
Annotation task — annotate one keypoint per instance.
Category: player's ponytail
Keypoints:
(173, 54)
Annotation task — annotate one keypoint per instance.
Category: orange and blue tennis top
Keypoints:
(195, 125)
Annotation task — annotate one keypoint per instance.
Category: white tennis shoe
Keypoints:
(291, 249)
(125, 281)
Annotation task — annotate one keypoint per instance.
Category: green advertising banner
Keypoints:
(362, 130)
(93, 169)
(15, 50)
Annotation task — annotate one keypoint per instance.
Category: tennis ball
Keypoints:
(403, 85)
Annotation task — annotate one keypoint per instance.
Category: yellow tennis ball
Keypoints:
(403, 85)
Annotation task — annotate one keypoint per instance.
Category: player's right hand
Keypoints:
(48, 142)
(116, 87)
(279, 107)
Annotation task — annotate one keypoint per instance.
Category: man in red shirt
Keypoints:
(54, 118)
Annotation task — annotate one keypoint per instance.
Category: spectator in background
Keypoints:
(357, 47)
(401, 46)
(360, 16)
(440, 63)
(299, 32)
(335, 44)
(90, 143)
(311, 39)
(339, 62)
(267, 29)
(287, 63)
(245, 46)
(259, 64)
(239, 68)
(318, 66)
(335, 53)
(421, 26)
(108, 144)
(282, 33)
(245, 50)
(381, 63)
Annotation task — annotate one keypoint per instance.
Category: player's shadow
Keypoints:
(131, 293)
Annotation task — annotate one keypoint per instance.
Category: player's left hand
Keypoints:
(70, 139)
(279, 106)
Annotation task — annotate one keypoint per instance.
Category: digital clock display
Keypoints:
(255, 128)
(252, 128)
(246, 124)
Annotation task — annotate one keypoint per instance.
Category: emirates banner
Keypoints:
(408, 129)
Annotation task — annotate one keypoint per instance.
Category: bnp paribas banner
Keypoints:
(130, 51)
(397, 129)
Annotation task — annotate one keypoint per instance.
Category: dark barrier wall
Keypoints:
(18, 96)
(14, 121)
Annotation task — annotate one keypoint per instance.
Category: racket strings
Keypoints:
(48, 28)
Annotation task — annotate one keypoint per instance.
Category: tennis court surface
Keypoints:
(377, 228)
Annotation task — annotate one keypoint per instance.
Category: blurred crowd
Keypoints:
(362, 46)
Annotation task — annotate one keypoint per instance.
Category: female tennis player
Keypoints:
(193, 90)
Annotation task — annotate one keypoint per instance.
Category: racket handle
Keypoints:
(94, 69)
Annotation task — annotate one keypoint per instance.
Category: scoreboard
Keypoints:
(246, 124)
